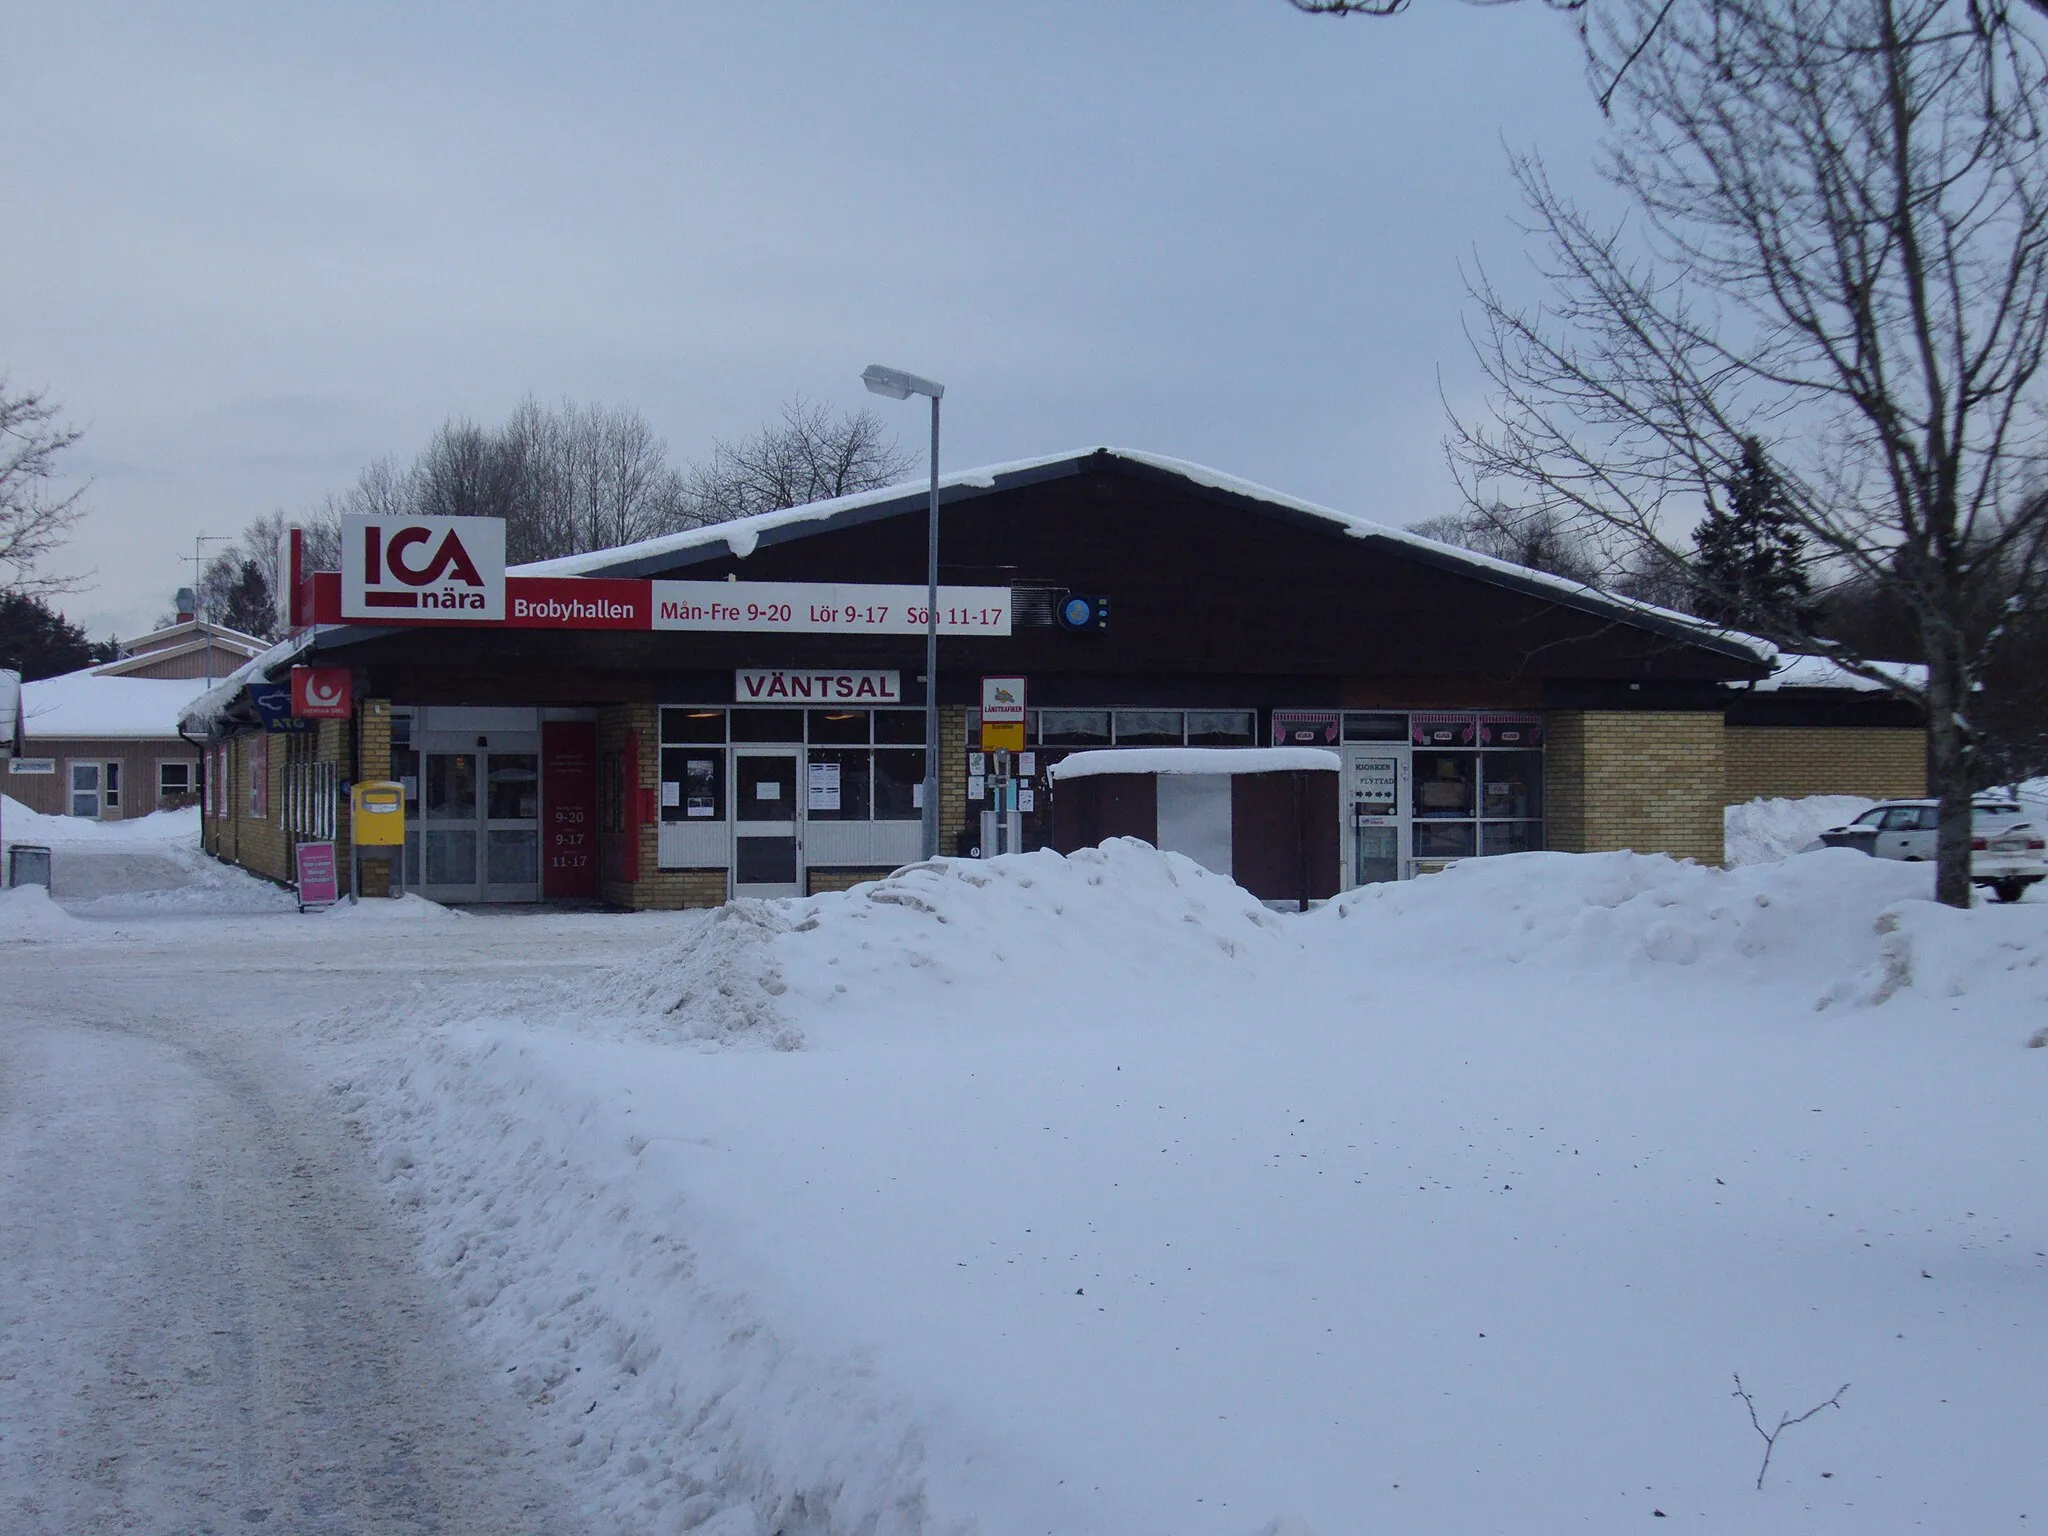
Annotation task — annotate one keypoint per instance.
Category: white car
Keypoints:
(2008, 852)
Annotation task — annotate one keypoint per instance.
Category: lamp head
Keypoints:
(897, 384)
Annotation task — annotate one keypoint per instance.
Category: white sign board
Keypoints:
(1002, 701)
(423, 568)
(813, 685)
(32, 765)
(825, 608)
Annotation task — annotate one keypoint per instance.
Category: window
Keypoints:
(767, 725)
(900, 727)
(1444, 785)
(692, 727)
(113, 795)
(1073, 727)
(693, 783)
(257, 756)
(173, 780)
(1148, 727)
(1223, 728)
(1360, 727)
(899, 786)
(836, 785)
(840, 727)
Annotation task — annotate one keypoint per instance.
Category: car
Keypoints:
(2008, 851)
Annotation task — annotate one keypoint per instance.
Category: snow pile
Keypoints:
(22, 825)
(27, 912)
(409, 908)
(1766, 829)
(721, 984)
(1099, 1198)
(1625, 914)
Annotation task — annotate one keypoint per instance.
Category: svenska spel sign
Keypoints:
(444, 568)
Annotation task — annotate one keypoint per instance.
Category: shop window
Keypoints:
(1510, 836)
(768, 725)
(1073, 727)
(1444, 785)
(837, 783)
(840, 727)
(173, 781)
(900, 726)
(1222, 728)
(512, 788)
(692, 785)
(451, 785)
(1512, 786)
(1148, 727)
(258, 758)
(1443, 840)
(1367, 727)
(692, 727)
(899, 786)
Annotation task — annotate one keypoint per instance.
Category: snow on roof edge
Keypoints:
(1195, 760)
(742, 535)
(205, 712)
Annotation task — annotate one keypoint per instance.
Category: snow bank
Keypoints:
(19, 824)
(1099, 1198)
(27, 912)
(1766, 829)
(409, 908)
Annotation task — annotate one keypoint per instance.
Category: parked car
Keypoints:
(2008, 851)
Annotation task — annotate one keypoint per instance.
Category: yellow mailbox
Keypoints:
(377, 814)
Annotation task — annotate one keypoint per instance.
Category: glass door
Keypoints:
(85, 789)
(1377, 812)
(511, 826)
(767, 856)
(448, 827)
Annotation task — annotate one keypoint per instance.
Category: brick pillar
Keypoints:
(1652, 781)
(952, 776)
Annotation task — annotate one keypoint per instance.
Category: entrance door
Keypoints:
(449, 834)
(1376, 812)
(767, 854)
(511, 826)
(85, 789)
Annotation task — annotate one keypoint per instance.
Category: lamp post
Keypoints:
(898, 385)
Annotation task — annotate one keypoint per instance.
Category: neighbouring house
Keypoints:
(99, 744)
(189, 648)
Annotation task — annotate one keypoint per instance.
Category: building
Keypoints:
(99, 744)
(187, 648)
(738, 709)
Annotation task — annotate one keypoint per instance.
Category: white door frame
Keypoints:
(1402, 819)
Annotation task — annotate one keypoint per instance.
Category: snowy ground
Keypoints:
(1088, 1196)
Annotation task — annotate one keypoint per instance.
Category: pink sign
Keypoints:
(318, 884)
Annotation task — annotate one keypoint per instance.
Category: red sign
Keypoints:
(568, 808)
(319, 884)
(321, 693)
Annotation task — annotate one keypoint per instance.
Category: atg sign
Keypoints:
(441, 568)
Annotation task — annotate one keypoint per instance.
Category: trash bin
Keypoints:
(28, 864)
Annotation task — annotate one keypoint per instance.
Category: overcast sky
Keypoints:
(252, 247)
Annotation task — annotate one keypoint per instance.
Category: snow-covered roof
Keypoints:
(742, 536)
(206, 710)
(187, 631)
(1821, 672)
(1196, 760)
(84, 704)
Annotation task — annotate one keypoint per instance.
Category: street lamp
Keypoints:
(898, 385)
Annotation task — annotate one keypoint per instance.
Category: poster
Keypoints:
(824, 787)
(700, 787)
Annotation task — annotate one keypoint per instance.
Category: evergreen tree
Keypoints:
(247, 604)
(37, 641)
(1750, 567)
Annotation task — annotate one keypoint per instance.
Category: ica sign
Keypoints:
(423, 568)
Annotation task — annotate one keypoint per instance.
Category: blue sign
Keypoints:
(273, 703)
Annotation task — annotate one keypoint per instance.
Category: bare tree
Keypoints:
(810, 455)
(34, 517)
(1839, 249)
(1539, 539)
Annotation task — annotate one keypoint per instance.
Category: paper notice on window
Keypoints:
(823, 792)
(1027, 799)
(767, 789)
(1027, 765)
(917, 795)
(977, 786)
(671, 794)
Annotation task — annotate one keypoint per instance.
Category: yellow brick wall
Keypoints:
(1651, 781)
(819, 881)
(952, 776)
(1789, 761)
(258, 845)
(671, 890)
